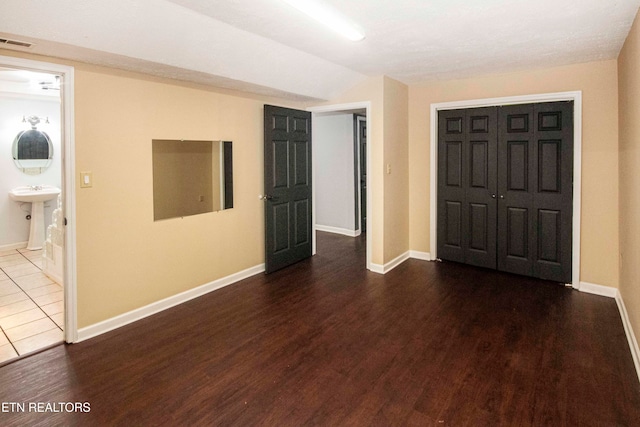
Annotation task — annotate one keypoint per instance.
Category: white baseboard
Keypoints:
(384, 269)
(337, 230)
(425, 256)
(13, 246)
(158, 306)
(592, 288)
(628, 330)
(377, 268)
(607, 291)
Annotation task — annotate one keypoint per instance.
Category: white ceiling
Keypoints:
(269, 48)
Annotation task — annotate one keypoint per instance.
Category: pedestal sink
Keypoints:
(36, 195)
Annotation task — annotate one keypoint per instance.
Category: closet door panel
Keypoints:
(553, 192)
(481, 140)
(451, 190)
(515, 183)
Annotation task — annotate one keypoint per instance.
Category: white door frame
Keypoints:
(366, 105)
(66, 74)
(576, 97)
(358, 171)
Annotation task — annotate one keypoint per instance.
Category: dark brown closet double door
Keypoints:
(505, 188)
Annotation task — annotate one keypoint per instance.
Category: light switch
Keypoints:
(86, 179)
(388, 169)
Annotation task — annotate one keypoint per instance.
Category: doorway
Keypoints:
(505, 190)
(576, 97)
(45, 281)
(362, 109)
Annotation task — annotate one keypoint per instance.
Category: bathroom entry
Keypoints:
(32, 237)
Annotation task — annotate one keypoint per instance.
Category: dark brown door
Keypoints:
(505, 188)
(287, 186)
(467, 186)
(362, 157)
(535, 205)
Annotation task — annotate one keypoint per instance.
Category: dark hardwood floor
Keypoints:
(325, 342)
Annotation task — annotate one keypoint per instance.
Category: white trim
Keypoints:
(346, 107)
(384, 269)
(68, 171)
(377, 268)
(337, 230)
(357, 141)
(592, 288)
(395, 262)
(576, 97)
(158, 306)
(425, 256)
(13, 246)
(628, 330)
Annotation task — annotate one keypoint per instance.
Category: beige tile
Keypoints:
(3, 339)
(20, 270)
(49, 298)
(43, 290)
(30, 329)
(34, 259)
(37, 263)
(29, 251)
(22, 318)
(10, 299)
(36, 342)
(59, 319)
(7, 353)
(13, 260)
(16, 307)
(7, 287)
(34, 280)
(3, 276)
(9, 252)
(29, 254)
(51, 309)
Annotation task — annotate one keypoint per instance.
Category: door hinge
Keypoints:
(65, 221)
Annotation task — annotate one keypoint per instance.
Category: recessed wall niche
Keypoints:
(191, 177)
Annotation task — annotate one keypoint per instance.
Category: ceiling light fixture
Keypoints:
(329, 17)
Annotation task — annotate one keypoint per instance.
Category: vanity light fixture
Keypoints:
(34, 120)
(329, 17)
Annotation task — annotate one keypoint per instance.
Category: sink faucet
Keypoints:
(35, 187)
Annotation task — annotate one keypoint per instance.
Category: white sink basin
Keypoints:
(36, 195)
(32, 194)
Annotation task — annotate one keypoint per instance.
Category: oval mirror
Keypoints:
(32, 150)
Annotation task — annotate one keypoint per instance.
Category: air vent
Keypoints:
(15, 42)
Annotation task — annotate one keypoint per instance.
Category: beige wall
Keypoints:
(598, 83)
(125, 260)
(629, 107)
(396, 177)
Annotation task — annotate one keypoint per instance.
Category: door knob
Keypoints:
(266, 197)
(502, 196)
(493, 196)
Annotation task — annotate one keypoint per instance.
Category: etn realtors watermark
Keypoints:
(45, 407)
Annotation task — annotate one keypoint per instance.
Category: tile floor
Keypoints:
(31, 305)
